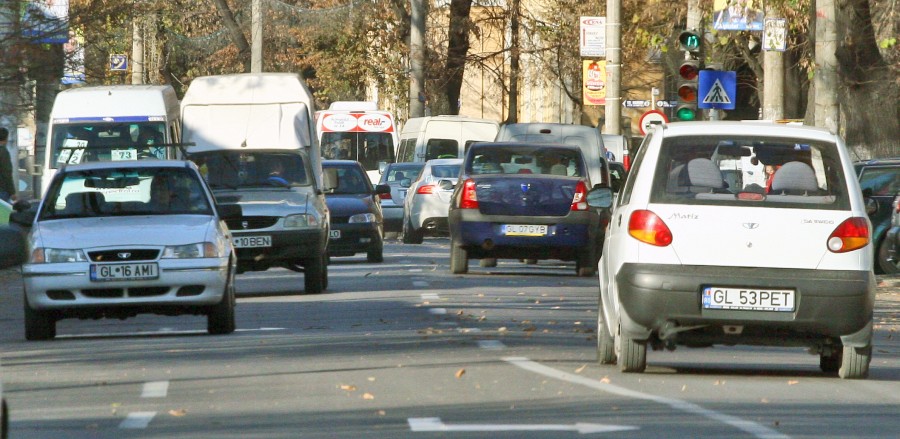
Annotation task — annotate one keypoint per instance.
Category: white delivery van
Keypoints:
(109, 123)
(433, 137)
(350, 130)
(253, 137)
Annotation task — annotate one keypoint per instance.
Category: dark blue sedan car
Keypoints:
(524, 201)
(357, 224)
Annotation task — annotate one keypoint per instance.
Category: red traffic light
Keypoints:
(689, 70)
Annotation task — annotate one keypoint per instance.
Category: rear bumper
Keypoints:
(393, 218)
(667, 300)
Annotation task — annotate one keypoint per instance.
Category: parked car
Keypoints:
(695, 256)
(357, 224)
(428, 199)
(285, 222)
(117, 239)
(399, 176)
(880, 182)
(520, 200)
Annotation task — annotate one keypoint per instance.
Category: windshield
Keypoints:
(350, 180)
(124, 192)
(238, 169)
(101, 141)
(370, 149)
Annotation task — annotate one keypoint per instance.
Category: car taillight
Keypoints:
(578, 200)
(468, 200)
(386, 196)
(850, 235)
(646, 226)
(425, 189)
(626, 160)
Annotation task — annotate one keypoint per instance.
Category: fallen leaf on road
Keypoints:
(371, 379)
(460, 373)
(684, 387)
(348, 387)
(382, 413)
(604, 380)
(501, 329)
(764, 400)
(581, 369)
(367, 274)
(178, 412)
(368, 395)
(792, 382)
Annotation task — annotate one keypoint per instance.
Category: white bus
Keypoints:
(355, 131)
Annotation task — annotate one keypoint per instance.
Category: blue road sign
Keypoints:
(717, 89)
(118, 62)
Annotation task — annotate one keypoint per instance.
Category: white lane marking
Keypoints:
(494, 345)
(438, 311)
(428, 296)
(750, 427)
(435, 424)
(137, 420)
(155, 389)
(421, 284)
(158, 332)
(468, 330)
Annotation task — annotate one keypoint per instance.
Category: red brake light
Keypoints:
(386, 196)
(647, 227)
(578, 200)
(425, 189)
(850, 235)
(468, 200)
(626, 160)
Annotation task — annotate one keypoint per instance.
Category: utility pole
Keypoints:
(256, 38)
(826, 78)
(773, 78)
(137, 49)
(613, 109)
(417, 59)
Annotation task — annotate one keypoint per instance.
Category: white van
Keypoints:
(111, 122)
(433, 137)
(350, 130)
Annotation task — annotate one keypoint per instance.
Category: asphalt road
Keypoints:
(403, 349)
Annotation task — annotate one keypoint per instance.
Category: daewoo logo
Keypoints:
(751, 226)
(123, 255)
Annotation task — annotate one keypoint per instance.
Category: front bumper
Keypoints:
(355, 238)
(667, 300)
(288, 246)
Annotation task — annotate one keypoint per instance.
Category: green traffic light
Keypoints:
(689, 41)
(686, 114)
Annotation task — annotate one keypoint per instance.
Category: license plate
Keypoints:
(752, 299)
(108, 272)
(334, 234)
(524, 230)
(252, 241)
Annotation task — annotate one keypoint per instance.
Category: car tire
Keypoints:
(220, 319)
(459, 258)
(39, 325)
(487, 262)
(606, 344)
(314, 274)
(882, 263)
(530, 261)
(855, 362)
(585, 262)
(325, 272)
(410, 235)
(632, 356)
(376, 252)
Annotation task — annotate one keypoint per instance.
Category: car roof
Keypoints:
(746, 128)
(129, 164)
(529, 144)
(434, 162)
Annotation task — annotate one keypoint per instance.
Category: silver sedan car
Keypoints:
(394, 175)
(116, 239)
(428, 200)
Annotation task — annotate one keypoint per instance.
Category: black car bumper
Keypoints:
(355, 238)
(288, 247)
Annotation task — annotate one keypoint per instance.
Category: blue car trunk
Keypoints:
(537, 195)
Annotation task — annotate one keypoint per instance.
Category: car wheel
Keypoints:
(606, 344)
(488, 262)
(585, 262)
(855, 362)
(220, 319)
(325, 272)
(410, 235)
(632, 355)
(883, 264)
(314, 275)
(376, 252)
(459, 259)
(39, 325)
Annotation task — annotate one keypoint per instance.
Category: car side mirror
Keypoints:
(446, 185)
(600, 197)
(382, 189)
(230, 211)
(406, 182)
(871, 206)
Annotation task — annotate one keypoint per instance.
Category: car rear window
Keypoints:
(727, 170)
(524, 159)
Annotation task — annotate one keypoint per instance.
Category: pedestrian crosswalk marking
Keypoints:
(717, 94)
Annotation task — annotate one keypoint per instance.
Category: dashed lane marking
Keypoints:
(155, 389)
(137, 420)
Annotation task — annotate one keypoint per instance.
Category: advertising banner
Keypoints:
(738, 15)
(46, 21)
(594, 80)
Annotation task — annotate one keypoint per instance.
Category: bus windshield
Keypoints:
(73, 143)
(370, 149)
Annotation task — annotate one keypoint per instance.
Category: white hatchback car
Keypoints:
(428, 200)
(705, 248)
(115, 239)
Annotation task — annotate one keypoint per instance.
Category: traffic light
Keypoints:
(689, 41)
(688, 75)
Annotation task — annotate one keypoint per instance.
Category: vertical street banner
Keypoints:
(592, 37)
(45, 21)
(775, 35)
(594, 82)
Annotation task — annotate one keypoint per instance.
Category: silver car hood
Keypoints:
(152, 230)
(267, 202)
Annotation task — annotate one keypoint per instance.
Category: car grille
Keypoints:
(252, 222)
(124, 255)
(115, 293)
(340, 219)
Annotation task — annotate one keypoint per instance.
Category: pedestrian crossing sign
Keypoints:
(717, 89)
